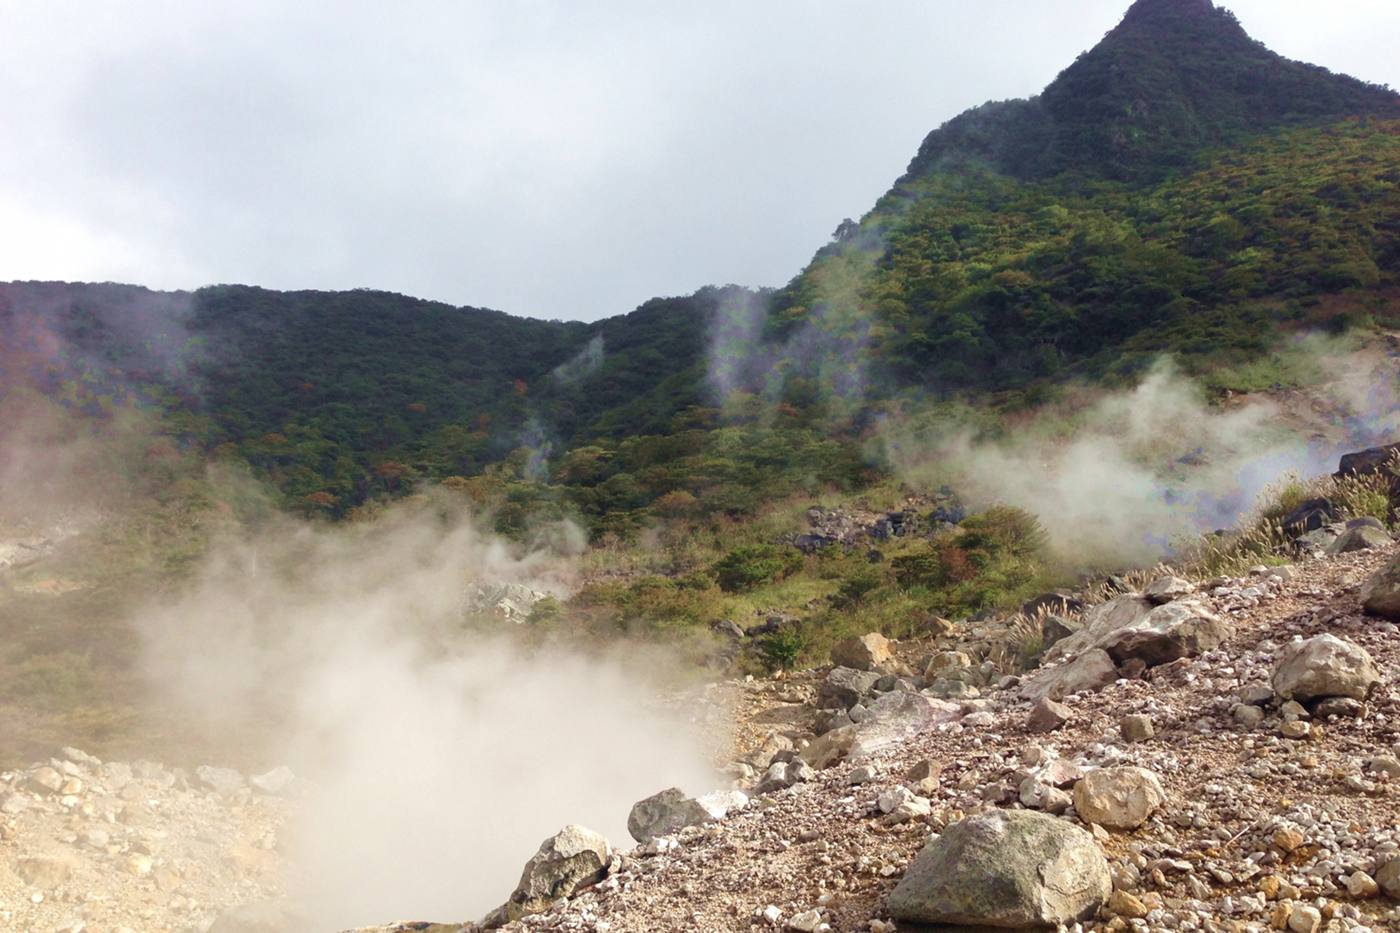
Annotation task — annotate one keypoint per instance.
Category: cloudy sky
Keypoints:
(547, 157)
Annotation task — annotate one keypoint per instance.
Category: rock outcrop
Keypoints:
(1381, 593)
(863, 653)
(1012, 869)
(1324, 666)
(568, 861)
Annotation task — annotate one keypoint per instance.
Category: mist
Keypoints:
(437, 758)
(1120, 478)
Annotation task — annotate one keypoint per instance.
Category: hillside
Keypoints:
(1178, 190)
(993, 570)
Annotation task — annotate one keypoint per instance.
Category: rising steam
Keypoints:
(440, 757)
(1118, 480)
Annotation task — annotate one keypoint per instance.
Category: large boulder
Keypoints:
(1004, 868)
(1360, 536)
(1098, 623)
(1367, 462)
(864, 653)
(1092, 670)
(571, 859)
(1181, 629)
(664, 813)
(672, 810)
(1119, 798)
(844, 687)
(1310, 516)
(1324, 666)
(1381, 594)
(825, 750)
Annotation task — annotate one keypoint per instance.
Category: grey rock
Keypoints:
(1388, 877)
(664, 813)
(1007, 869)
(570, 860)
(1359, 538)
(1055, 603)
(1247, 715)
(274, 782)
(1136, 727)
(44, 780)
(1054, 629)
(844, 687)
(729, 629)
(1092, 670)
(223, 781)
(944, 663)
(1380, 595)
(1177, 630)
(1344, 707)
(1166, 589)
(1097, 623)
(896, 716)
(44, 871)
(826, 750)
(943, 689)
(1324, 666)
(900, 804)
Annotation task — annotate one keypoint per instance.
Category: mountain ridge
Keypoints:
(1173, 77)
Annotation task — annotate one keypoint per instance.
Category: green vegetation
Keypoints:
(1177, 190)
(745, 568)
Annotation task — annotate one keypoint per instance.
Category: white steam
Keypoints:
(440, 757)
(582, 364)
(1118, 480)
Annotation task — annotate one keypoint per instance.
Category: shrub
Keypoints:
(1364, 496)
(746, 568)
(1004, 530)
(854, 588)
(544, 612)
(783, 648)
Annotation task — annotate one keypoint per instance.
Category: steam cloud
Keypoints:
(828, 349)
(440, 758)
(1118, 480)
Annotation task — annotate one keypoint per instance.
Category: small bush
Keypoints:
(854, 588)
(1364, 496)
(545, 612)
(746, 568)
(783, 648)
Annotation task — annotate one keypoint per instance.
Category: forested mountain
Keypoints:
(1179, 188)
(1174, 78)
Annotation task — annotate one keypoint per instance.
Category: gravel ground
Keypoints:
(1210, 859)
(1259, 831)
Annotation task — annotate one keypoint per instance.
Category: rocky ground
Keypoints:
(87, 845)
(1217, 755)
(1216, 803)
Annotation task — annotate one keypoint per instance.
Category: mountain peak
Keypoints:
(1151, 9)
(1173, 79)
(1154, 16)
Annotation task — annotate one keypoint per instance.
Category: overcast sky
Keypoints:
(556, 158)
